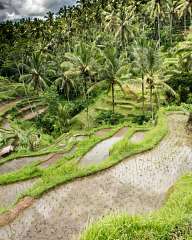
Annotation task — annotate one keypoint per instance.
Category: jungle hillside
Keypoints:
(96, 122)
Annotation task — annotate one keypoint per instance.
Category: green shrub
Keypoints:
(141, 119)
(109, 117)
(182, 84)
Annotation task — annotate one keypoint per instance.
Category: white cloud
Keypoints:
(11, 9)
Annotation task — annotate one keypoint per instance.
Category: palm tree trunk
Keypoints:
(151, 102)
(87, 104)
(24, 86)
(144, 23)
(113, 96)
(171, 27)
(87, 110)
(158, 99)
(143, 95)
(159, 29)
(185, 21)
(123, 37)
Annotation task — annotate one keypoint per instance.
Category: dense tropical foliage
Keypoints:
(95, 46)
(95, 67)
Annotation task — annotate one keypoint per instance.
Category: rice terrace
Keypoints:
(96, 120)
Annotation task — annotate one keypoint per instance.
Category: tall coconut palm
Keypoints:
(171, 8)
(83, 65)
(156, 12)
(111, 20)
(184, 7)
(35, 72)
(113, 71)
(120, 22)
(154, 77)
(66, 79)
(126, 27)
(140, 62)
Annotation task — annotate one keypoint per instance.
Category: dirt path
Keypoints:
(136, 185)
(6, 106)
(32, 115)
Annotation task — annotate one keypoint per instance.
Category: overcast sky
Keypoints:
(14, 9)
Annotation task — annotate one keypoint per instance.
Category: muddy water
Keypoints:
(102, 132)
(47, 160)
(19, 163)
(55, 157)
(78, 138)
(136, 185)
(101, 151)
(9, 193)
(137, 137)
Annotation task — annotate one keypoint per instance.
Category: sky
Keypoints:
(15, 9)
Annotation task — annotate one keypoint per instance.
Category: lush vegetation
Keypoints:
(68, 58)
(97, 64)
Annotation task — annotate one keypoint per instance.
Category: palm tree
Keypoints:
(184, 7)
(111, 20)
(35, 72)
(82, 64)
(113, 71)
(155, 77)
(126, 27)
(156, 11)
(65, 80)
(120, 22)
(156, 82)
(171, 7)
(140, 62)
(179, 66)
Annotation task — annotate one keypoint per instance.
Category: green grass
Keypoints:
(172, 222)
(30, 171)
(53, 148)
(127, 105)
(3, 210)
(28, 154)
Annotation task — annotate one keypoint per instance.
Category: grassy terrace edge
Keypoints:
(69, 171)
(172, 221)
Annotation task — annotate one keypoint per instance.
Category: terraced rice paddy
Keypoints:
(10, 193)
(137, 137)
(101, 151)
(137, 185)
